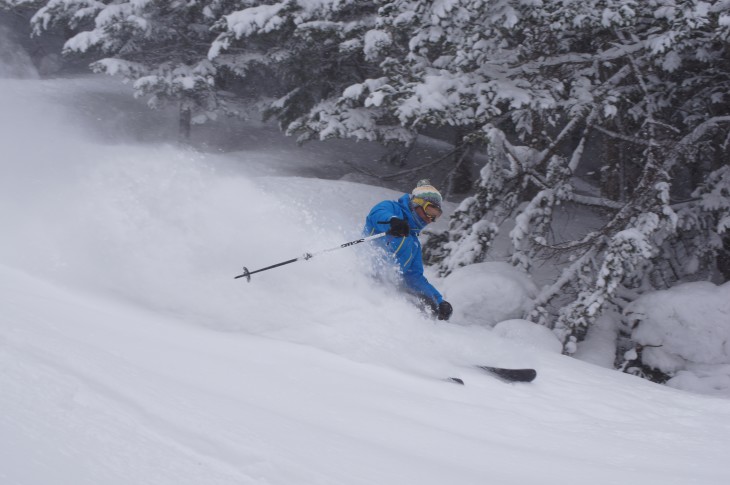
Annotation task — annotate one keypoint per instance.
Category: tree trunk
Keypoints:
(397, 153)
(184, 126)
(461, 181)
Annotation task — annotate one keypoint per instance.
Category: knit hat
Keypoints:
(427, 193)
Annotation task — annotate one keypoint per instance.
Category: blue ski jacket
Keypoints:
(405, 250)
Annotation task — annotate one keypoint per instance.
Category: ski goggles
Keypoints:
(431, 210)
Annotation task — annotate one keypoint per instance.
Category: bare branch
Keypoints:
(597, 202)
(620, 136)
(404, 172)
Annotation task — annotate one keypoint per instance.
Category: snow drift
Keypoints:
(685, 333)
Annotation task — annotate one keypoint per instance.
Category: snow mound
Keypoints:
(685, 333)
(529, 333)
(487, 293)
(707, 380)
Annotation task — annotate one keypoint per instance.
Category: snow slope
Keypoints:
(129, 354)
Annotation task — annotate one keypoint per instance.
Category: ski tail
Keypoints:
(510, 375)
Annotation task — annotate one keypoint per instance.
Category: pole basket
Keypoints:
(246, 274)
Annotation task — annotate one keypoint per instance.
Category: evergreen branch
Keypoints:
(568, 129)
(566, 276)
(596, 201)
(578, 152)
(396, 175)
(699, 131)
(693, 137)
(508, 150)
(620, 136)
(665, 125)
(537, 179)
(570, 246)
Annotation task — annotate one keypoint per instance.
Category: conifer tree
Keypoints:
(310, 52)
(159, 46)
(652, 83)
(544, 84)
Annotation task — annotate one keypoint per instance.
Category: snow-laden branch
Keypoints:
(596, 201)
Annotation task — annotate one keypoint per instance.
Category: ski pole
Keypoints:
(306, 256)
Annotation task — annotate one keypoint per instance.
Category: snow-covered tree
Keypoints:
(635, 91)
(426, 53)
(310, 50)
(12, 4)
(159, 45)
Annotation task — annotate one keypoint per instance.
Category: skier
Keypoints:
(402, 221)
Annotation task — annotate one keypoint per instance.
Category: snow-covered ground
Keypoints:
(130, 355)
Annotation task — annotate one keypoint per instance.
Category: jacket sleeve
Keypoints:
(418, 284)
(382, 212)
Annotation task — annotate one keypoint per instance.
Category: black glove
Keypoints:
(398, 227)
(445, 310)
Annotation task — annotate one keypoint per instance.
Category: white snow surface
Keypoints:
(130, 355)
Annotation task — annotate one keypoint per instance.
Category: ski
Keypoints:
(455, 380)
(510, 375)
